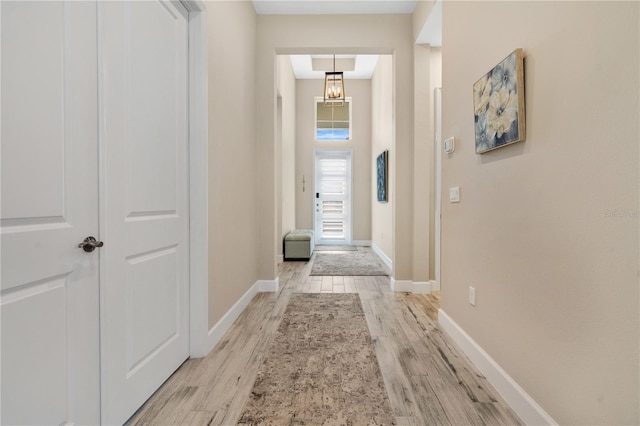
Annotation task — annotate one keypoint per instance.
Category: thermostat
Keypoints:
(448, 146)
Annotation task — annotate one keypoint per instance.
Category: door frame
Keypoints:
(328, 151)
(198, 180)
(437, 96)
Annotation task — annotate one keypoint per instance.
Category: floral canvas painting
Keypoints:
(498, 102)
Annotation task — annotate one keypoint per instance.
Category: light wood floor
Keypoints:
(428, 380)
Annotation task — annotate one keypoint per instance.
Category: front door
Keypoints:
(49, 292)
(332, 200)
(145, 188)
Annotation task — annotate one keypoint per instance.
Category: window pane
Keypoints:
(341, 113)
(332, 134)
(340, 134)
(333, 123)
(324, 113)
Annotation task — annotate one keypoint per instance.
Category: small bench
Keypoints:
(298, 244)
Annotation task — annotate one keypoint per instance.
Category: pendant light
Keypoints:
(334, 87)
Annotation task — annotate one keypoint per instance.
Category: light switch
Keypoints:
(449, 145)
(454, 194)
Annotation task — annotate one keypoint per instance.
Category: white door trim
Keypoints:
(198, 180)
(438, 167)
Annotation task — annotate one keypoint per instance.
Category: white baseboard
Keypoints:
(217, 331)
(221, 327)
(361, 243)
(421, 287)
(408, 286)
(269, 286)
(383, 256)
(520, 401)
(403, 286)
(435, 286)
(280, 258)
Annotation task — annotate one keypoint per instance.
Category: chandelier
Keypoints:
(334, 87)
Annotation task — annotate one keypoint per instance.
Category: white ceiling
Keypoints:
(303, 68)
(432, 31)
(333, 7)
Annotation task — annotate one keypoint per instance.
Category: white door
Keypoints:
(49, 292)
(144, 191)
(333, 197)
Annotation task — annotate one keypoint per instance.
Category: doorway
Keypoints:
(333, 197)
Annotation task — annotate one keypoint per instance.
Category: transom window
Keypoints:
(333, 123)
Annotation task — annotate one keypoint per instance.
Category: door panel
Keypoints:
(49, 290)
(33, 59)
(157, 60)
(47, 333)
(144, 93)
(333, 197)
(153, 321)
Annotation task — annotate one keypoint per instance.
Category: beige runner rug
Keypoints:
(321, 368)
(348, 263)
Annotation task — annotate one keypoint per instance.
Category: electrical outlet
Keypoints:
(472, 296)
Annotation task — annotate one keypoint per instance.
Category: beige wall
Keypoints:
(360, 144)
(382, 139)
(389, 34)
(423, 177)
(547, 229)
(287, 165)
(232, 154)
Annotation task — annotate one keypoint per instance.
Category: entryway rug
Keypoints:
(335, 248)
(361, 262)
(321, 368)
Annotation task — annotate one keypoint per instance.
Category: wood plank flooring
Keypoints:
(428, 379)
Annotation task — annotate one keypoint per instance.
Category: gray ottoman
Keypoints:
(298, 244)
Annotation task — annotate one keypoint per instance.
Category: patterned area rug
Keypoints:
(361, 262)
(335, 248)
(321, 368)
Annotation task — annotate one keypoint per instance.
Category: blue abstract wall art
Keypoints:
(382, 171)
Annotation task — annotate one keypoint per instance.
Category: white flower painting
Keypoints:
(498, 103)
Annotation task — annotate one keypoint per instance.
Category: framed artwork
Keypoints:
(498, 104)
(382, 171)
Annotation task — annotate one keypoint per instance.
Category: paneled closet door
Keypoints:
(49, 293)
(144, 191)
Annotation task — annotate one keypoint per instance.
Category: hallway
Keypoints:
(428, 380)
